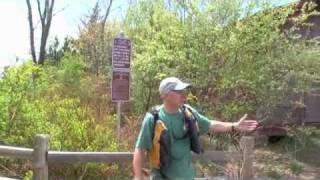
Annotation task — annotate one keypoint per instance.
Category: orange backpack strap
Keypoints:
(159, 154)
(155, 151)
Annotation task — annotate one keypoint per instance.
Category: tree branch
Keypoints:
(62, 9)
(40, 14)
(45, 12)
(45, 30)
(107, 12)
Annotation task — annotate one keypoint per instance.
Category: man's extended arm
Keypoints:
(242, 125)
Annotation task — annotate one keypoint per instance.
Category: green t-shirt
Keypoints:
(180, 166)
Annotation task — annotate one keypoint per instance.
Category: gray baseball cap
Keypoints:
(171, 84)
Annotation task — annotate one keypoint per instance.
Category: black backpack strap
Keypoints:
(155, 113)
(193, 129)
(187, 108)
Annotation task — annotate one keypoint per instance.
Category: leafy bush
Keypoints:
(47, 100)
(236, 64)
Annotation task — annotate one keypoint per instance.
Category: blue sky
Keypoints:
(14, 31)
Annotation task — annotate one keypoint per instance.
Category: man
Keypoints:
(173, 94)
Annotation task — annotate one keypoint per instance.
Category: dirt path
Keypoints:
(281, 166)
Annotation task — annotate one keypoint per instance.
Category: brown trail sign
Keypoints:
(120, 86)
(121, 57)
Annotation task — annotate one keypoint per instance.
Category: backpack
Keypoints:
(161, 144)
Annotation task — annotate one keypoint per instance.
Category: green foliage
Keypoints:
(237, 64)
(57, 50)
(295, 168)
(28, 175)
(157, 35)
(53, 100)
(95, 40)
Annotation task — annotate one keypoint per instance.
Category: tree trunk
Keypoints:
(32, 48)
(103, 56)
(45, 19)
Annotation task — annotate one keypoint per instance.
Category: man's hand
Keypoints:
(138, 163)
(244, 125)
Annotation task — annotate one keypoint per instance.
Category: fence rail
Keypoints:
(85, 157)
(41, 157)
(16, 152)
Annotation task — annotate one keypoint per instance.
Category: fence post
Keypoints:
(40, 157)
(247, 146)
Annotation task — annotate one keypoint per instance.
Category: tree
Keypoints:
(93, 38)
(57, 50)
(45, 20)
(236, 63)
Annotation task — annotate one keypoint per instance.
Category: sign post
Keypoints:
(118, 120)
(121, 56)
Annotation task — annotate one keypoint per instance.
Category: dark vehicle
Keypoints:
(304, 111)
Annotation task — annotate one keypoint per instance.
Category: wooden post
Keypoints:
(247, 145)
(40, 159)
(118, 120)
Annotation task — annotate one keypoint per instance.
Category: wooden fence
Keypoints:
(41, 157)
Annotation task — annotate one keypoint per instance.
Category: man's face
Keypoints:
(176, 97)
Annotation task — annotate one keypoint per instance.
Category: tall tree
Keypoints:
(103, 56)
(94, 38)
(45, 14)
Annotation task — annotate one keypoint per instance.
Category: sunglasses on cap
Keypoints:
(180, 91)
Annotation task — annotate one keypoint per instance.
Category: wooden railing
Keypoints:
(41, 157)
